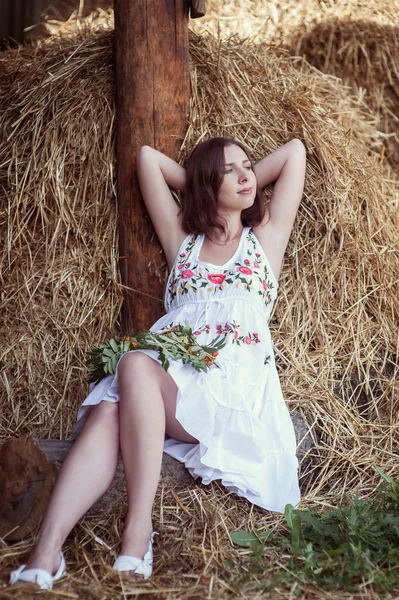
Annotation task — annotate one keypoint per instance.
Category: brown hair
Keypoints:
(204, 176)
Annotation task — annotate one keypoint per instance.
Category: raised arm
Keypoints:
(286, 167)
(157, 173)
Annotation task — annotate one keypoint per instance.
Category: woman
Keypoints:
(224, 251)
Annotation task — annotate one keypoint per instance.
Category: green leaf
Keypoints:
(250, 539)
(247, 539)
(294, 523)
(113, 345)
(288, 515)
(113, 362)
(108, 352)
(384, 475)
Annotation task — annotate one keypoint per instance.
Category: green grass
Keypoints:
(354, 544)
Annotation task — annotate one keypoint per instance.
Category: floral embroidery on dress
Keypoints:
(245, 273)
(238, 336)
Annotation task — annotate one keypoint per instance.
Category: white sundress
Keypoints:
(237, 411)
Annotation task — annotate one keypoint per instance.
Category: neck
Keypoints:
(232, 235)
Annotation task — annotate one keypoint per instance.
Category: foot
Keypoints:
(135, 542)
(42, 570)
(44, 559)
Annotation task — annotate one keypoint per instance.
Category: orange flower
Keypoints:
(134, 344)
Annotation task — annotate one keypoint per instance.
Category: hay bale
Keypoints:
(60, 277)
(335, 318)
(66, 18)
(354, 40)
(363, 50)
(338, 297)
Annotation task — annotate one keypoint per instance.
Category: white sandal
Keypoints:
(140, 566)
(43, 578)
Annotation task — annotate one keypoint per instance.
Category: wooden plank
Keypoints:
(29, 468)
(197, 8)
(152, 82)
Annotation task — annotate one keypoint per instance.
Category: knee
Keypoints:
(105, 412)
(135, 364)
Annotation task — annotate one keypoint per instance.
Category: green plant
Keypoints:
(355, 543)
(172, 343)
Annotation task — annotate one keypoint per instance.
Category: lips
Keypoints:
(245, 191)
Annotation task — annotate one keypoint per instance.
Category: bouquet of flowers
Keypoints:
(173, 342)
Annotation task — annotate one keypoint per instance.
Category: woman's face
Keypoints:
(238, 189)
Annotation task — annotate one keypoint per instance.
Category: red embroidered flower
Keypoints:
(247, 339)
(218, 329)
(180, 267)
(226, 327)
(235, 335)
(188, 264)
(187, 274)
(257, 255)
(182, 254)
(218, 278)
(264, 283)
(256, 265)
(247, 262)
(197, 333)
(245, 270)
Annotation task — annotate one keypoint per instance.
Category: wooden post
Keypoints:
(152, 83)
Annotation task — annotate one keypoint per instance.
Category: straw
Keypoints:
(335, 322)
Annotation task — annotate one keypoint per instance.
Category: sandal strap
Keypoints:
(125, 562)
(141, 566)
(39, 576)
(43, 578)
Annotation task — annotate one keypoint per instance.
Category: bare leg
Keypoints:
(147, 407)
(85, 475)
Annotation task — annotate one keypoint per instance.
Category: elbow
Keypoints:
(143, 154)
(144, 150)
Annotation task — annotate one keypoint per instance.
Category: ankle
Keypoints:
(140, 525)
(47, 543)
(137, 535)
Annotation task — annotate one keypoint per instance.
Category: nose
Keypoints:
(243, 176)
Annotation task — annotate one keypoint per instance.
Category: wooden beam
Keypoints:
(152, 99)
(29, 468)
